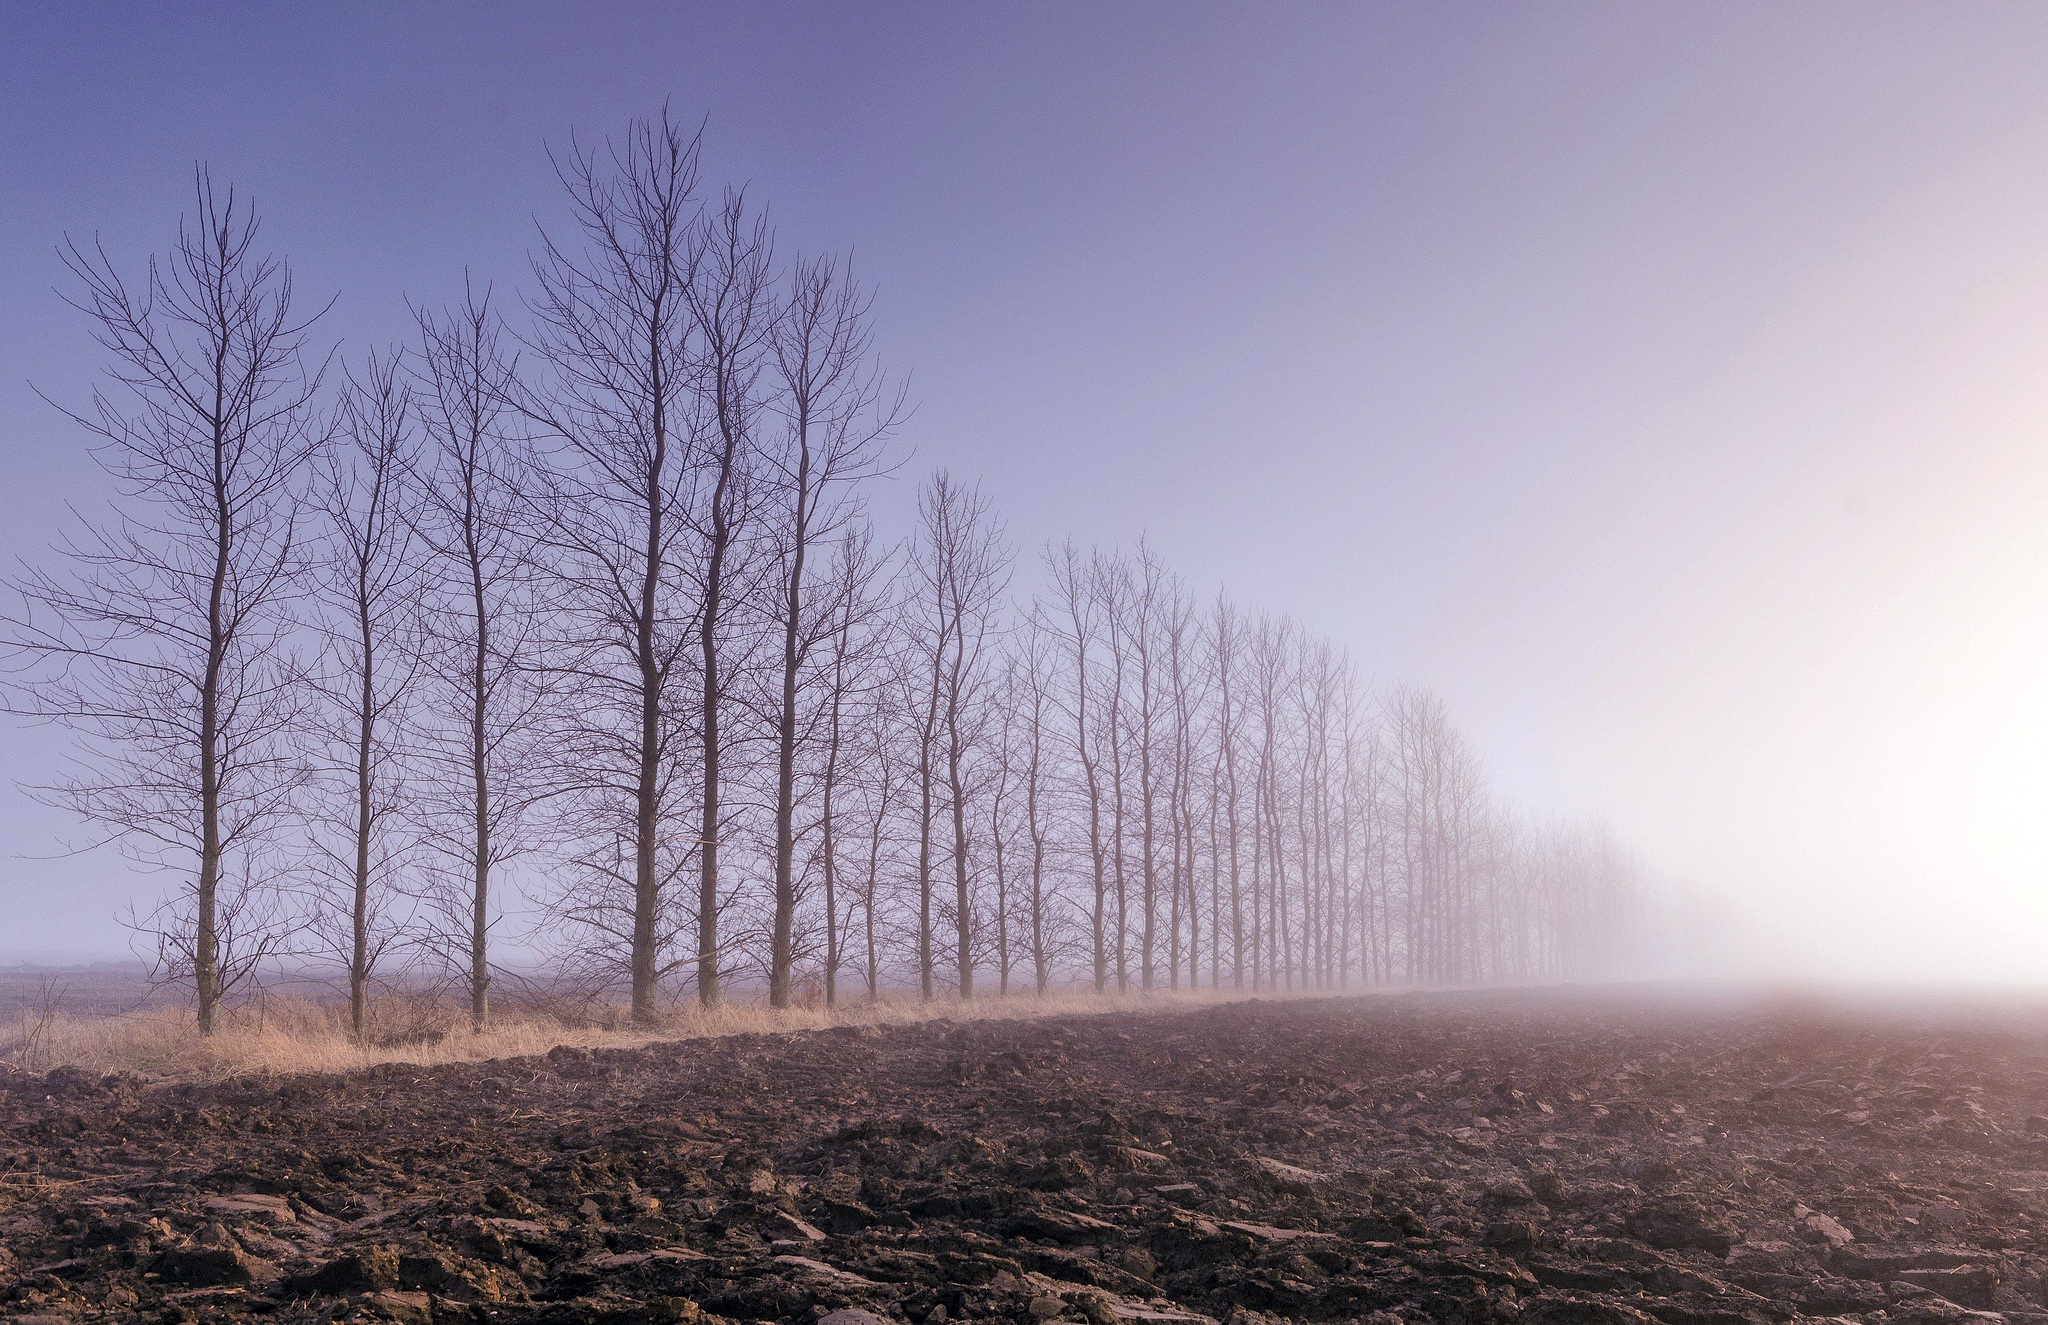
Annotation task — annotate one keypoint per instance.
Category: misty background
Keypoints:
(1664, 387)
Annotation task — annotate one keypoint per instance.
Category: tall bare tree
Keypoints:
(1110, 578)
(879, 776)
(729, 297)
(1074, 608)
(1034, 704)
(617, 329)
(368, 587)
(854, 606)
(1145, 605)
(474, 485)
(1178, 632)
(835, 417)
(167, 645)
(960, 569)
(1226, 640)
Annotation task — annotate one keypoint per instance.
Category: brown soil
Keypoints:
(1555, 1159)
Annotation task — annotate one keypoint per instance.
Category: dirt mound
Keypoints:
(1554, 1160)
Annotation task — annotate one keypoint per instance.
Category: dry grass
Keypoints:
(284, 1036)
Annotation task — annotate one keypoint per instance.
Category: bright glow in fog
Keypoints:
(1791, 618)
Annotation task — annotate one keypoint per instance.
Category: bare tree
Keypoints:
(923, 682)
(1034, 701)
(976, 577)
(1000, 778)
(369, 582)
(960, 569)
(1145, 604)
(1268, 657)
(167, 646)
(854, 609)
(1075, 608)
(618, 332)
(1111, 580)
(473, 484)
(878, 777)
(729, 298)
(1225, 639)
(1440, 808)
(1184, 681)
(835, 417)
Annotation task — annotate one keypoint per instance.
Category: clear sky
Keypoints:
(1666, 385)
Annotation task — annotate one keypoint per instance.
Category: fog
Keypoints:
(1663, 388)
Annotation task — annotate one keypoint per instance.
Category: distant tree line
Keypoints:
(588, 600)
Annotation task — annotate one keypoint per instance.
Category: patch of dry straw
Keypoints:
(280, 1036)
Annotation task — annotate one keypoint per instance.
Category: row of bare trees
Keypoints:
(567, 636)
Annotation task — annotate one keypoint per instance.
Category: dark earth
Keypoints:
(1579, 1158)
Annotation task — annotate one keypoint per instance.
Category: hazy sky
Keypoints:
(1666, 385)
